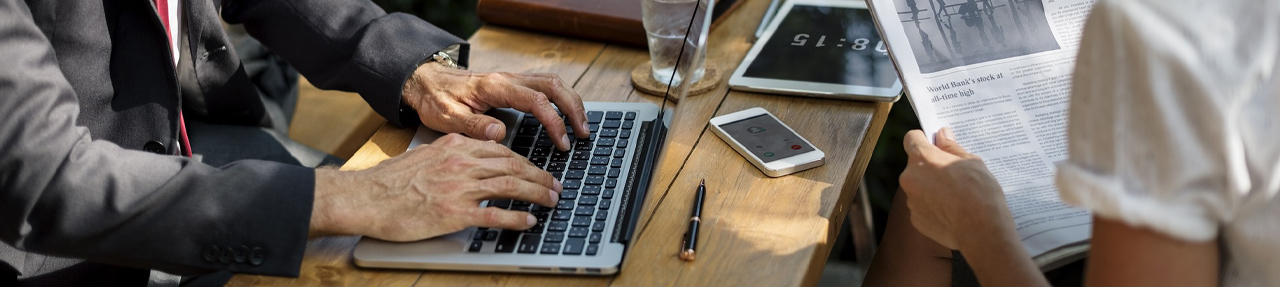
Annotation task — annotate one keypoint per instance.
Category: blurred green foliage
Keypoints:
(456, 16)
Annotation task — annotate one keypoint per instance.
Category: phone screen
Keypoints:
(766, 138)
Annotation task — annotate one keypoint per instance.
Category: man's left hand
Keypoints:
(454, 101)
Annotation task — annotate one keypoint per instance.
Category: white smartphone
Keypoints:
(766, 142)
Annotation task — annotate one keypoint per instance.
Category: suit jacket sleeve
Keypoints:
(353, 46)
(63, 193)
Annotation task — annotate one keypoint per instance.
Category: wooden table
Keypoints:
(757, 231)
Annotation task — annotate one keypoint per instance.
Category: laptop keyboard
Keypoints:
(589, 171)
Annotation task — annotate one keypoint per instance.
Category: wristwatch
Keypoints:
(443, 58)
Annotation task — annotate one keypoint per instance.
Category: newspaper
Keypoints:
(998, 72)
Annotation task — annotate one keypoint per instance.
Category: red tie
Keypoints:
(162, 8)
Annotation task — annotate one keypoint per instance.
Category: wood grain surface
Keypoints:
(757, 231)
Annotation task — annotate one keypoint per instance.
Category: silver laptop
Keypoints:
(605, 181)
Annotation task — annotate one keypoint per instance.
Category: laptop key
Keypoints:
(613, 115)
(519, 203)
(527, 131)
(619, 153)
(500, 203)
(553, 237)
(581, 221)
(598, 226)
(593, 249)
(591, 190)
(607, 194)
(574, 174)
(605, 204)
(543, 142)
(595, 237)
(578, 232)
(529, 244)
(537, 228)
(569, 194)
(530, 122)
(597, 170)
(622, 144)
(617, 163)
(611, 124)
(507, 241)
(602, 216)
(594, 127)
(562, 215)
(571, 184)
(628, 124)
(479, 235)
(594, 117)
(565, 204)
(558, 226)
(584, 211)
(615, 173)
(541, 152)
(522, 151)
(522, 141)
(475, 246)
(573, 246)
(542, 216)
(630, 116)
(583, 146)
(538, 161)
(605, 142)
(578, 164)
(602, 151)
(594, 180)
(600, 161)
(581, 155)
(491, 235)
(551, 248)
(608, 133)
(624, 134)
(587, 200)
(611, 183)
(556, 166)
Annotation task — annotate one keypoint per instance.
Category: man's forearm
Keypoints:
(998, 258)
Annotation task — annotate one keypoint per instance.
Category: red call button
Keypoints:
(795, 146)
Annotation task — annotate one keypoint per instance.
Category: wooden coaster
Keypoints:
(642, 79)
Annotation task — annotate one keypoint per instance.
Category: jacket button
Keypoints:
(226, 255)
(256, 256)
(211, 253)
(242, 254)
(154, 147)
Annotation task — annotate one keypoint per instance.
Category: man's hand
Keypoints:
(429, 191)
(454, 101)
(950, 192)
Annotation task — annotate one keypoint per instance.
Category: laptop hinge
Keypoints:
(643, 164)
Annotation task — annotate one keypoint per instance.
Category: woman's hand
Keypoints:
(950, 192)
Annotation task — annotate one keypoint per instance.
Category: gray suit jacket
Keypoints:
(89, 102)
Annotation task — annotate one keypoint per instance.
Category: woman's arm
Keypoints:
(1123, 255)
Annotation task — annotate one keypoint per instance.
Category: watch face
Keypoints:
(820, 44)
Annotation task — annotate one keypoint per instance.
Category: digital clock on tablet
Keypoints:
(820, 48)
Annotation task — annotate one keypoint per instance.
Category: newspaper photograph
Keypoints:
(998, 72)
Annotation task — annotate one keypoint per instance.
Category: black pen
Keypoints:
(691, 236)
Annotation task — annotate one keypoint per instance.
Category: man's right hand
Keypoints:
(429, 191)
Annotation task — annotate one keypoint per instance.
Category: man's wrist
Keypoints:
(326, 211)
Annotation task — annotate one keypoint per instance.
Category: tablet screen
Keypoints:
(834, 45)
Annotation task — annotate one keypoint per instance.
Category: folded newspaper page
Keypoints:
(998, 72)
